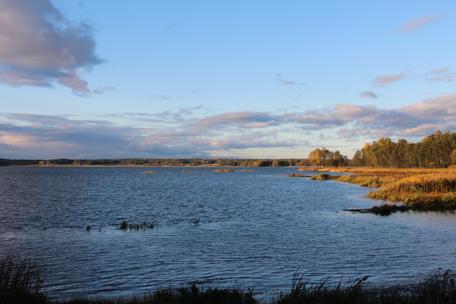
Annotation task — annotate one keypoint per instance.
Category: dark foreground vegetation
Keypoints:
(20, 282)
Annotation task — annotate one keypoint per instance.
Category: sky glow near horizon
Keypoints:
(243, 79)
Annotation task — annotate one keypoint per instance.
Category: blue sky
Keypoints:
(89, 79)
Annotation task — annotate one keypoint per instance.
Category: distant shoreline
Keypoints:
(151, 162)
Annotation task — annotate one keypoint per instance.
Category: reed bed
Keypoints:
(429, 191)
(372, 181)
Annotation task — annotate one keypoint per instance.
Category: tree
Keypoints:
(325, 157)
(358, 159)
(453, 157)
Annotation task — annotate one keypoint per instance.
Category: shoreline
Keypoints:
(402, 189)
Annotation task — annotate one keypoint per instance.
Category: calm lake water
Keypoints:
(233, 229)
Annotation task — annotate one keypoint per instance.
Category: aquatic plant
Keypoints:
(144, 226)
(298, 175)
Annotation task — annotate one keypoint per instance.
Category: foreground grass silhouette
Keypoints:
(20, 282)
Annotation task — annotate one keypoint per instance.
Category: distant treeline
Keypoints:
(18, 162)
(435, 151)
(160, 162)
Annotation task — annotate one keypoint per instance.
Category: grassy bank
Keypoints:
(416, 189)
(20, 282)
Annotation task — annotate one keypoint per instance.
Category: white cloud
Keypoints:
(39, 47)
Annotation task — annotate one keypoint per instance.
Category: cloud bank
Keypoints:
(186, 133)
(39, 47)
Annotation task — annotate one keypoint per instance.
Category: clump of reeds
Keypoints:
(20, 282)
(298, 175)
(324, 292)
(195, 295)
(223, 170)
(144, 226)
(323, 177)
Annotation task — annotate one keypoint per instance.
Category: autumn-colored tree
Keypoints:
(453, 157)
(325, 157)
(434, 151)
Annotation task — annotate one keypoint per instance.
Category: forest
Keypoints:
(434, 151)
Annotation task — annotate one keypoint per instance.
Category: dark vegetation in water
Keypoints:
(127, 226)
(323, 177)
(298, 175)
(20, 282)
(223, 170)
(383, 210)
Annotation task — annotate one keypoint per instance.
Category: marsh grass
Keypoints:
(372, 181)
(433, 192)
(20, 282)
(324, 292)
(418, 189)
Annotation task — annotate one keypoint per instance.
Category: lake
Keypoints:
(243, 229)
